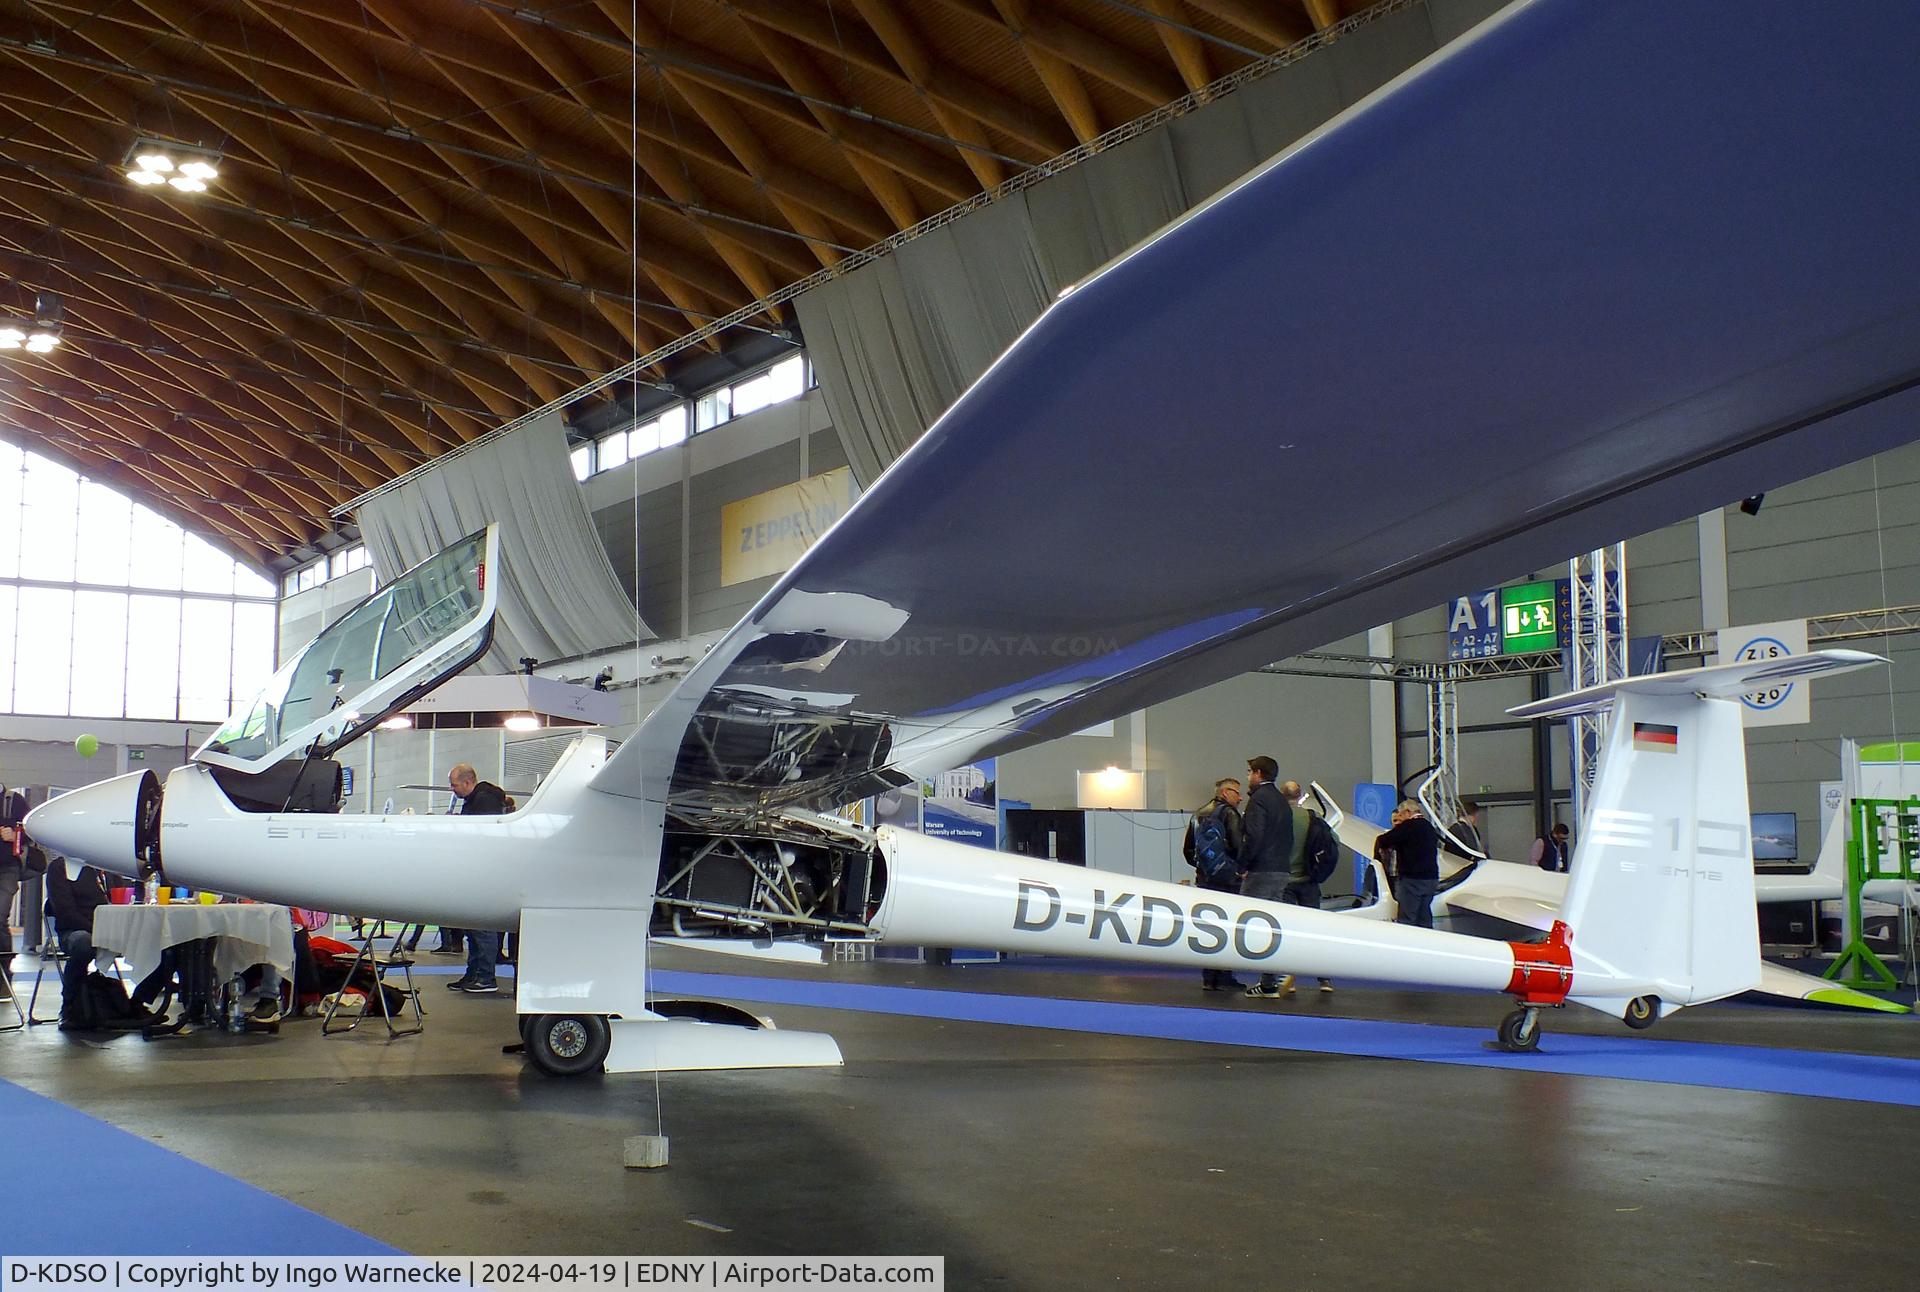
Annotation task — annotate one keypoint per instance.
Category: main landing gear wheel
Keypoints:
(566, 1045)
(1642, 1012)
(1520, 1031)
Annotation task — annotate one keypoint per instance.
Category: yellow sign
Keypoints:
(766, 534)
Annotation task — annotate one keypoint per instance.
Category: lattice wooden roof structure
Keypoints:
(434, 215)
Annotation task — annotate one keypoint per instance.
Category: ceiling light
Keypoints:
(522, 722)
(11, 338)
(185, 167)
(41, 342)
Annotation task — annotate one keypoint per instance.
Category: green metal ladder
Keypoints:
(1883, 842)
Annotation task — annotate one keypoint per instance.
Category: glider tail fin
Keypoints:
(1660, 901)
(1662, 890)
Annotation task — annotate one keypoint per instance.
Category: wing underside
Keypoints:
(1475, 324)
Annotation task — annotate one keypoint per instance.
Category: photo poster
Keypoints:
(962, 805)
(1373, 802)
(899, 808)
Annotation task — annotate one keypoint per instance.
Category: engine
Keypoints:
(791, 881)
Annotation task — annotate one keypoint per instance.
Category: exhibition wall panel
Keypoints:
(1315, 728)
(711, 603)
(658, 580)
(1845, 540)
(1663, 581)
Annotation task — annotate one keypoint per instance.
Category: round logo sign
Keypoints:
(1765, 648)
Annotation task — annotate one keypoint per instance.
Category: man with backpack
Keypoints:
(1315, 854)
(1212, 848)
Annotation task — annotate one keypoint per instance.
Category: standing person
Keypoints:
(1464, 833)
(477, 798)
(15, 860)
(1550, 850)
(1300, 890)
(1213, 838)
(1265, 847)
(1416, 843)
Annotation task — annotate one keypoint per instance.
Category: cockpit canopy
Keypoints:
(389, 650)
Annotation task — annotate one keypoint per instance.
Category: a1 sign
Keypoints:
(1784, 704)
(1473, 626)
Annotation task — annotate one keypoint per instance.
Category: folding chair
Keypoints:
(379, 964)
(51, 953)
(13, 999)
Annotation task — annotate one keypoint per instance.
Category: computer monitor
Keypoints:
(1776, 836)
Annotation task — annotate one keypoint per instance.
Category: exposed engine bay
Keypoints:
(788, 877)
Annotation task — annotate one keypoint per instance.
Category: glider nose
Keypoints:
(114, 824)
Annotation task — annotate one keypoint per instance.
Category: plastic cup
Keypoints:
(209, 899)
(120, 896)
(162, 895)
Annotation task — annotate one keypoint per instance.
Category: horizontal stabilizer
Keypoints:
(1718, 680)
(1790, 984)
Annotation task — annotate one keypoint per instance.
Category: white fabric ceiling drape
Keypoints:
(558, 594)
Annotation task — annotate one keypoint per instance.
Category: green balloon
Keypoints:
(87, 746)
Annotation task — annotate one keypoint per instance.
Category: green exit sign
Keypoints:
(1527, 618)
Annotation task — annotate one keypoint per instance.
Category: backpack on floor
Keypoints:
(102, 1005)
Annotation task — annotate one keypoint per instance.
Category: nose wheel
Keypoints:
(1520, 1031)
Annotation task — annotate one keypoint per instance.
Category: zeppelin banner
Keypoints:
(766, 534)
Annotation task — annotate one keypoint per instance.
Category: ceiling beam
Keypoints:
(903, 45)
(935, 79)
(1188, 53)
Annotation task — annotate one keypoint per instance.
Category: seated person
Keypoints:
(71, 903)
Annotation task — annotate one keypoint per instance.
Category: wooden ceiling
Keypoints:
(434, 215)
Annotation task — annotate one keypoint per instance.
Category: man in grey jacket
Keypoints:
(1301, 889)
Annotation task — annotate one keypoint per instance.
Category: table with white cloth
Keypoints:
(244, 935)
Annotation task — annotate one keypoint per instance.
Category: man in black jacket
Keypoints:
(1266, 848)
(478, 798)
(1417, 844)
(1217, 825)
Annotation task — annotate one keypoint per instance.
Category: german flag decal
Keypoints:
(1655, 737)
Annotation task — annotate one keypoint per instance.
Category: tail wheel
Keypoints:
(1520, 1031)
(567, 1045)
(1642, 1012)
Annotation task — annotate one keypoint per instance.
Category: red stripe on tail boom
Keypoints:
(1543, 971)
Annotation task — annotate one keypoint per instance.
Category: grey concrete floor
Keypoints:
(1038, 1159)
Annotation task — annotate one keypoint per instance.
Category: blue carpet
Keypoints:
(1870, 1078)
(87, 1188)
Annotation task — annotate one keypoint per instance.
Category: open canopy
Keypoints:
(394, 646)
